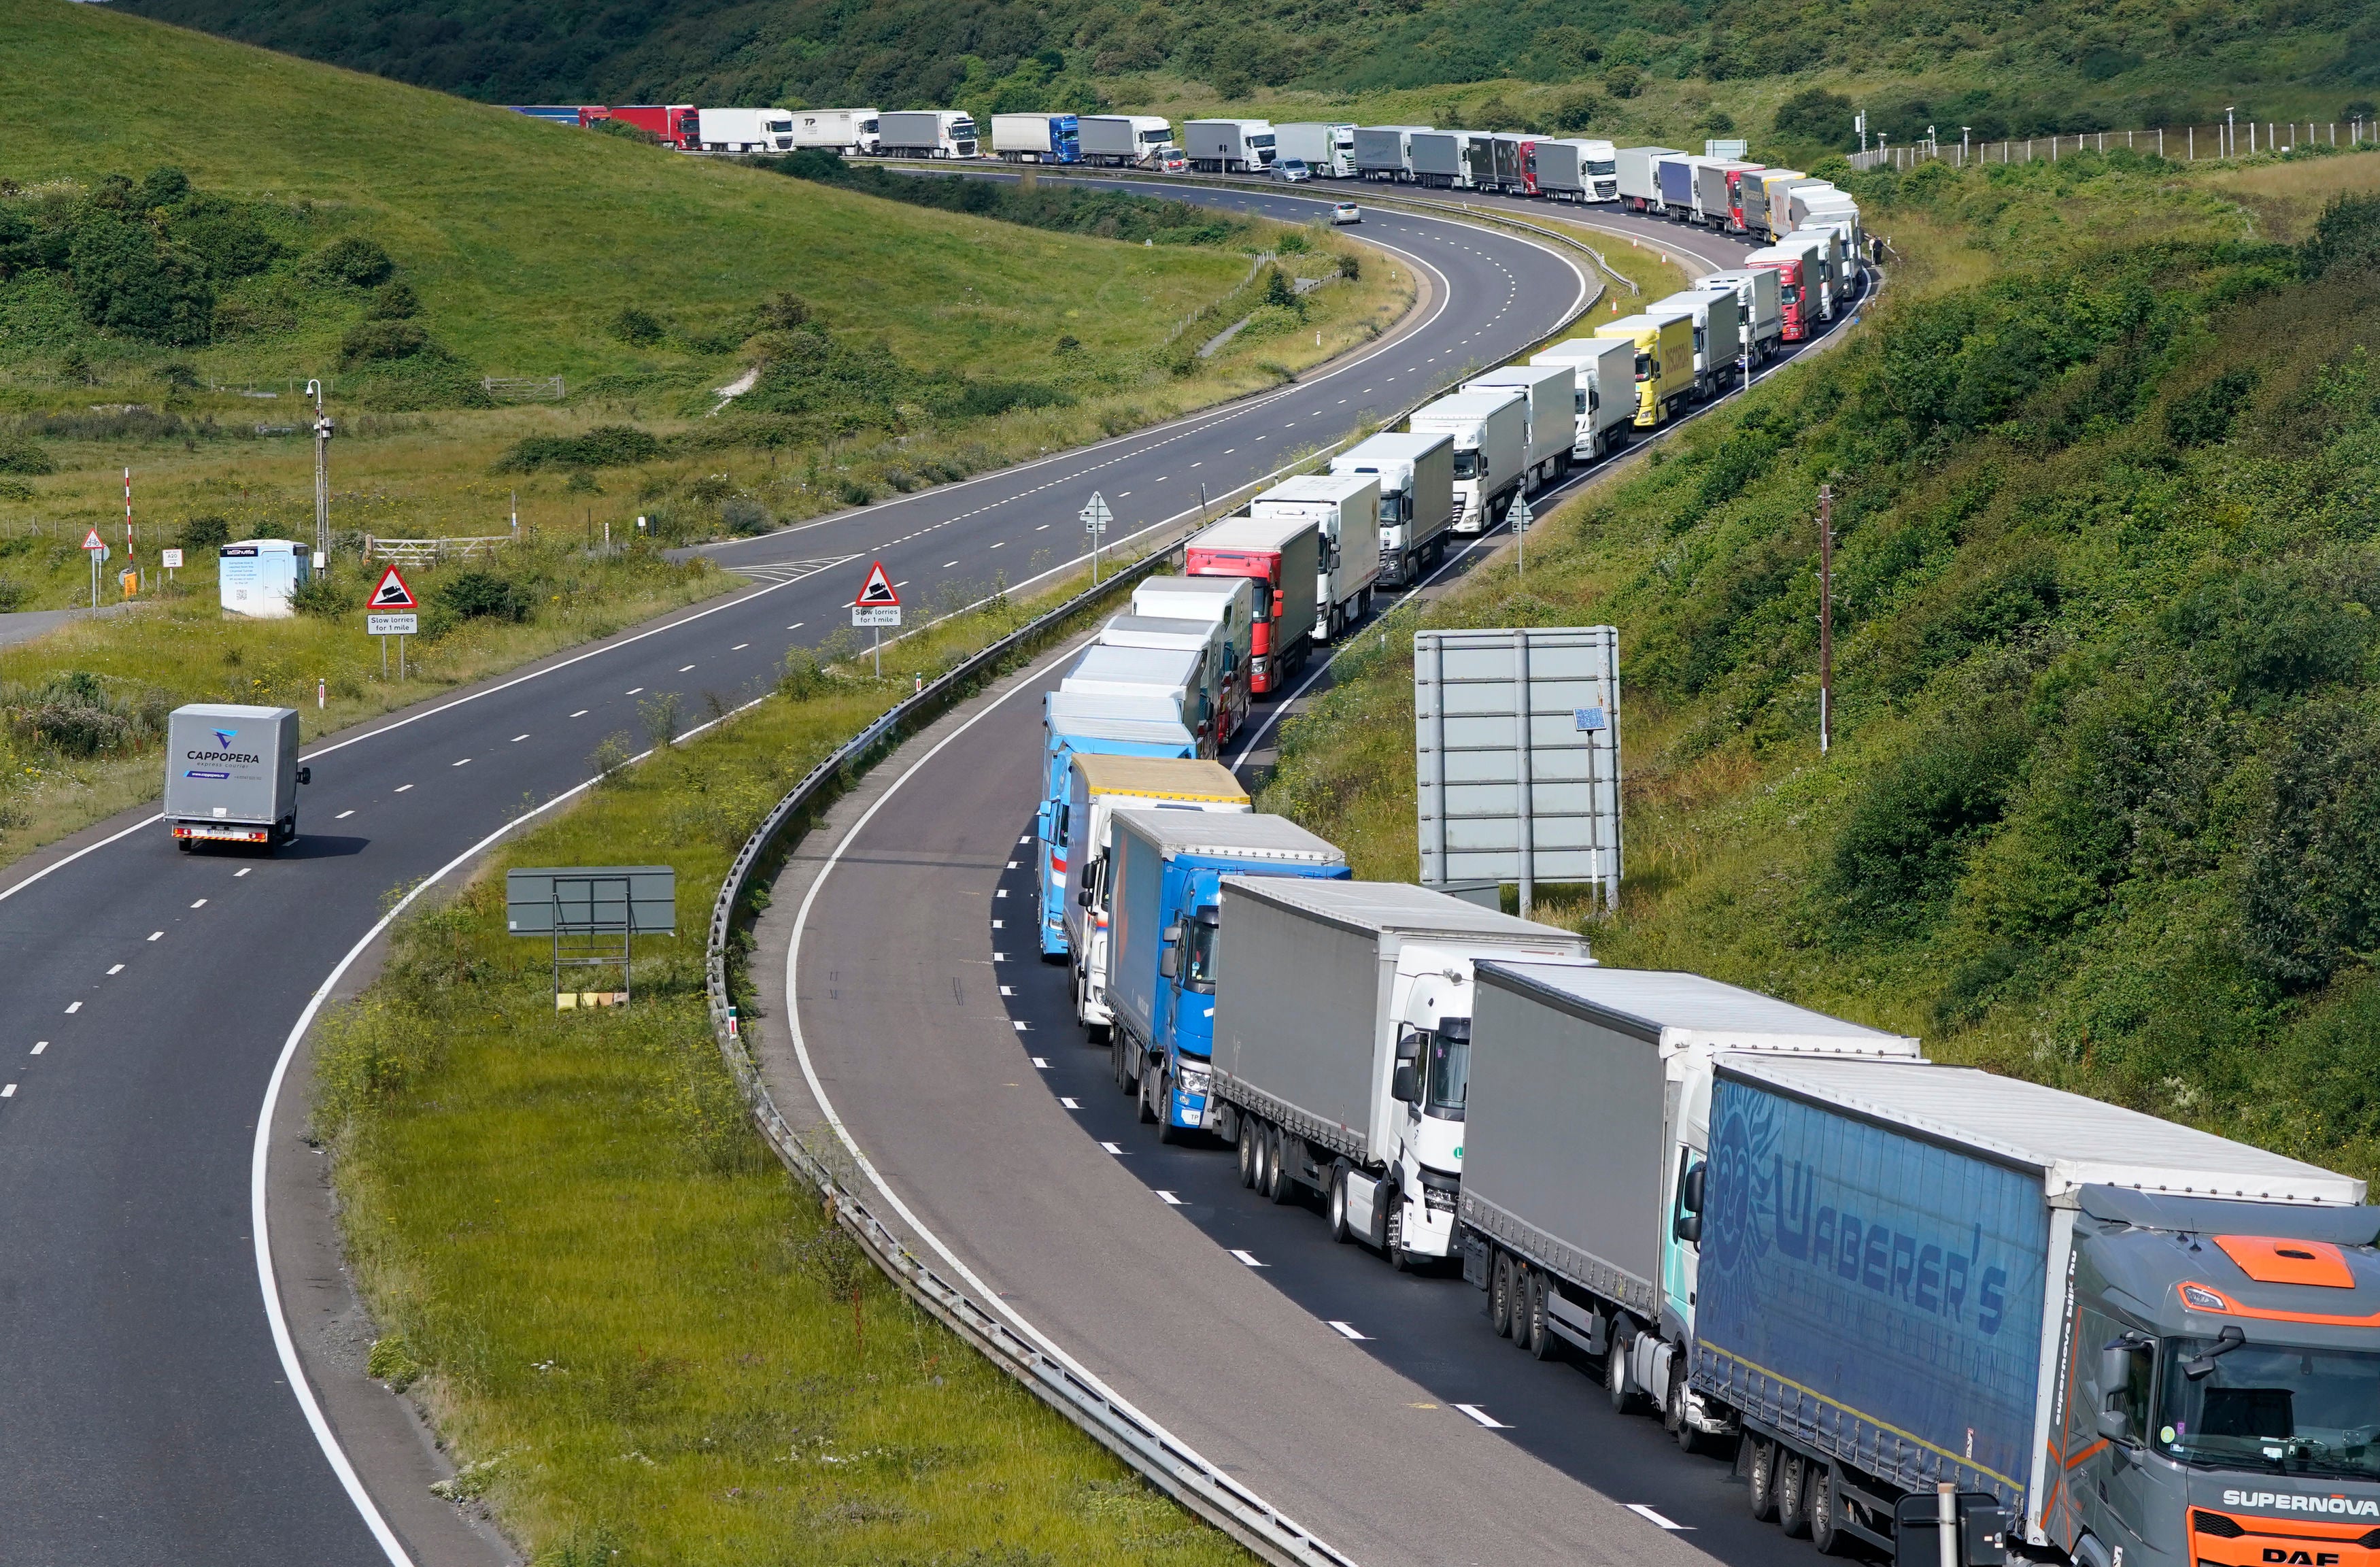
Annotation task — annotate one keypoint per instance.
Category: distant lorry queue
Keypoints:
(1729, 194)
(1913, 1304)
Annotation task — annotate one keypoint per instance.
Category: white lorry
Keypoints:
(1329, 149)
(1342, 1039)
(1571, 170)
(1441, 159)
(1225, 603)
(1636, 180)
(1385, 152)
(1491, 440)
(1758, 316)
(1230, 146)
(1099, 787)
(1126, 140)
(1841, 262)
(1416, 475)
(232, 774)
(851, 132)
(928, 133)
(1173, 675)
(1552, 425)
(1224, 676)
(745, 130)
(1346, 508)
(1718, 340)
(1603, 391)
(1037, 139)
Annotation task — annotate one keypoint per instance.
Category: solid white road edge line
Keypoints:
(984, 1293)
(260, 1220)
(1650, 1516)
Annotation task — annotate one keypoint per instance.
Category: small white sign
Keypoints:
(875, 615)
(1096, 515)
(392, 625)
(173, 559)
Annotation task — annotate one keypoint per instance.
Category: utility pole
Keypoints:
(321, 477)
(2230, 131)
(1826, 616)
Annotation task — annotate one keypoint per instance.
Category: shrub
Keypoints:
(371, 341)
(1623, 82)
(2200, 417)
(2312, 893)
(2348, 234)
(130, 281)
(637, 328)
(350, 262)
(1279, 290)
(744, 518)
(1578, 111)
(19, 455)
(328, 597)
(1349, 267)
(393, 300)
(74, 713)
(205, 532)
(1907, 836)
(482, 595)
(606, 445)
(1816, 114)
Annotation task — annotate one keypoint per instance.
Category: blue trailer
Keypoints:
(1164, 912)
(1677, 177)
(1090, 725)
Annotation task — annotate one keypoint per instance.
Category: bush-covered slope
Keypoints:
(2055, 63)
(2102, 807)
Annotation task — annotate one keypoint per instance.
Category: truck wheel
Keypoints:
(1615, 1375)
(1250, 1139)
(1824, 1508)
(1675, 1416)
(1282, 1187)
(1499, 1296)
(1792, 1495)
(1760, 1480)
(1393, 1233)
(1532, 1304)
(1146, 1080)
(1117, 1047)
(1339, 1231)
(1162, 1092)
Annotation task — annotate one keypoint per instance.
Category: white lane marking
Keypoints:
(946, 565)
(1347, 1331)
(1650, 1516)
(739, 647)
(10, 1092)
(1001, 545)
(1000, 957)
(683, 668)
(1483, 1417)
(156, 935)
(465, 762)
(400, 789)
(582, 712)
(1041, 1063)
(245, 868)
(1113, 1149)
(117, 969)
(1068, 1103)
(1024, 840)
(1022, 1026)
(1008, 989)
(999, 891)
(1014, 863)
(794, 626)
(200, 904)
(995, 924)
(518, 738)
(1248, 1258)
(1169, 1200)
(39, 1045)
(341, 817)
(73, 1007)
(633, 690)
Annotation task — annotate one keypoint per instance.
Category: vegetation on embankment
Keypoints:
(642, 1342)
(2106, 693)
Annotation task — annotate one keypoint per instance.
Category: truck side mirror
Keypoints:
(1406, 1087)
(1691, 1197)
(1167, 965)
(305, 775)
(1688, 1228)
(1083, 897)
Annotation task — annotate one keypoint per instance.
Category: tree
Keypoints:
(1623, 82)
(1817, 115)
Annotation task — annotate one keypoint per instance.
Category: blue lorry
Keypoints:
(1885, 1287)
(1090, 724)
(1164, 912)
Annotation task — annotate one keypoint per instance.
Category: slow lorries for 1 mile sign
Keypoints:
(878, 604)
(406, 625)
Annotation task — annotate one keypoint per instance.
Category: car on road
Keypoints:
(1174, 163)
(1346, 211)
(1292, 171)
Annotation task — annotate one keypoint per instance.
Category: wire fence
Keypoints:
(2187, 143)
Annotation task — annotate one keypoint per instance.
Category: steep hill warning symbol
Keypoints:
(879, 592)
(392, 593)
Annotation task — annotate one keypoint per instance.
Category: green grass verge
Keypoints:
(642, 1342)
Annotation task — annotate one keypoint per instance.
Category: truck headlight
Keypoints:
(1439, 1193)
(1196, 1079)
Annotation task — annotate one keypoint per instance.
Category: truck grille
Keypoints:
(2214, 1524)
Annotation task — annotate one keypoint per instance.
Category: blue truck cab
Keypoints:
(1164, 913)
(1078, 723)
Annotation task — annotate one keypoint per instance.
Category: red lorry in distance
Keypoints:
(1797, 287)
(673, 125)
(1283, 560)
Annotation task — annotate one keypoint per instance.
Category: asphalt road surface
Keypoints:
(148, 1413)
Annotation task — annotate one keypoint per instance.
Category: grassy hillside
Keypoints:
(2099, 810)
(2057, 64)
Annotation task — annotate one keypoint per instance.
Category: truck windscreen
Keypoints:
(1450, 1070)
(1155, 138)
(2272, 1408)
(1466, 463)
(1199, 955)
(1601, 165)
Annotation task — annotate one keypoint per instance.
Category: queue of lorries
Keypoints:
(1890, 1290)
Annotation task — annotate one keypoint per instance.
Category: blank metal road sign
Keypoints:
(591, 899)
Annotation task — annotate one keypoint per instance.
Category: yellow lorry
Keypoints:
(1665, 360)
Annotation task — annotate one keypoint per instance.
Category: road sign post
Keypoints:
(1096, 517)
(96, 548)
(876, 607)
(171, 560)
(390, 613)
(1520, 516)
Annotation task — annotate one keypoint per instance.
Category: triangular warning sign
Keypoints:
(879, 589)
(392, 593)
(92, 540)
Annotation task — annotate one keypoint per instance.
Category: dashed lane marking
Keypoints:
(1347, 1331)
(1650, 1516)
(1481, 1416)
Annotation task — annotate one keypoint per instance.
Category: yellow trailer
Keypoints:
(1665, 360)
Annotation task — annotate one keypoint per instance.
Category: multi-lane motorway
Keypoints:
(160, 1403)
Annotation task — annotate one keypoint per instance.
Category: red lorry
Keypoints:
(1284, 560)
(1797, 287)
(672, 124)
